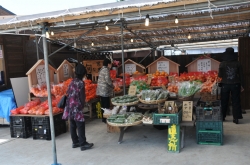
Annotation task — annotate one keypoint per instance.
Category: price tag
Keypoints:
(147, 99)
(187, 110)
(164, 87)
(149, 79)
(132, 90)
(171, 79)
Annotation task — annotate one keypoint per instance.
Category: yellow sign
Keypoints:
(172, 140)
(132, 90)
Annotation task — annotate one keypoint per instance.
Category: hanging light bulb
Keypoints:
(132, 40)
(92, 44)
(189, 36)
(52, 33)
(106, 27)
(147, 20)
(176, 20)
(47, 34)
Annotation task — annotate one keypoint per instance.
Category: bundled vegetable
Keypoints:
(124, 99)
(154, 94)
(188, 88)
(90, 90)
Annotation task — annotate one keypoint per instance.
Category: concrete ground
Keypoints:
(142, 145)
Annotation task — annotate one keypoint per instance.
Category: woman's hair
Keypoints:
(106, 62)
(80, 71)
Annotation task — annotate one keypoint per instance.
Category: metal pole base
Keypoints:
(57, 164)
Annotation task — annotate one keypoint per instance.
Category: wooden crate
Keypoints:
(163, 64)
(130, 67)
(65, 71)
(36, 75)
(209, 64)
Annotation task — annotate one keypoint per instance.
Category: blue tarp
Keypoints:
(7, 103)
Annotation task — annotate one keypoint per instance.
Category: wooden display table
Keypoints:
(123, 127)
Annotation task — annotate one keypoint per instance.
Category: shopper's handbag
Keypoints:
(62, 102)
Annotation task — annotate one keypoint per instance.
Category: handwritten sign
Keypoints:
(174, 138)
(171, 79)
(171, 103)
(149, 79)
(65, 70)
(164, 87)
(132, 90)
(130, 68)
(204, 65)
(187, 110)
(163, 66)
(40, 74)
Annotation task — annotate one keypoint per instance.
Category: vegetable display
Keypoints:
(90, 90)
(150, 95)
(187, 88)
(141, 85)
(125, 118)
(124, 99)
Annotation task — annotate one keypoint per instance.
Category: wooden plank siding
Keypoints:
(244, 58)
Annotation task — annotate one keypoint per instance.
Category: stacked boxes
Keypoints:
(41, 127)
(209, 125)
(20, 127)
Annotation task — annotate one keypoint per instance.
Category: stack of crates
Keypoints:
(209, 124)
(41, 127)
(20, 127)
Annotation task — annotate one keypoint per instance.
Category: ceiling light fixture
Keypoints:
(189, 36)
(92, 44)
(147, 20)
(47, 34)
(52, 33)
(106, 27)
(132, 40)
(176, 20)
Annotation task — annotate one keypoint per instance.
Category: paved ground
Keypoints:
(143, 145)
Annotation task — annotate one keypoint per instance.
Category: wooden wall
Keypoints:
(244, 58)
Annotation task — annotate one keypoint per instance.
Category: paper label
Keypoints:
(1, 54)
(171, 103)
(65, 70)
(164, 120)
(204, 65)
(163, 66)
(149, 79)
(147, 99)
(132, 90)
(130, 68)
(171, 79)
(187, 110)
(164, 87)
(40, 74)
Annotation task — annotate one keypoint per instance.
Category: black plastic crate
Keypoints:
(209, 126)
(208, 113)
(43, 132)
(209, 137)
(45, 120)
(20, 132)
(209, 103)
(21, 121)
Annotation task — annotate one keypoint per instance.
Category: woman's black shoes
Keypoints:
(75, 145)
(236, 121)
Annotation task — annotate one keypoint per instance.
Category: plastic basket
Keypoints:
(208, 113)
(167, 119)
(209, 126)
(209, 137)
(20, 132)
(21, 121)
(44, 120)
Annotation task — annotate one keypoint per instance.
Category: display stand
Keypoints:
(89, 105)
(123, 127)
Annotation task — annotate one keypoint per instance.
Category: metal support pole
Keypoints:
(123, 68)
(71, 42)
(45, 50)
(37, 51)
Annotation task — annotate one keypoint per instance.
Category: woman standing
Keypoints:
(230, 70)
(105, 86)
(74, 109)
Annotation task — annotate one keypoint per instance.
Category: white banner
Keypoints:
(204, 65)
(163, 66)
(40, 74)
(130, 68)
